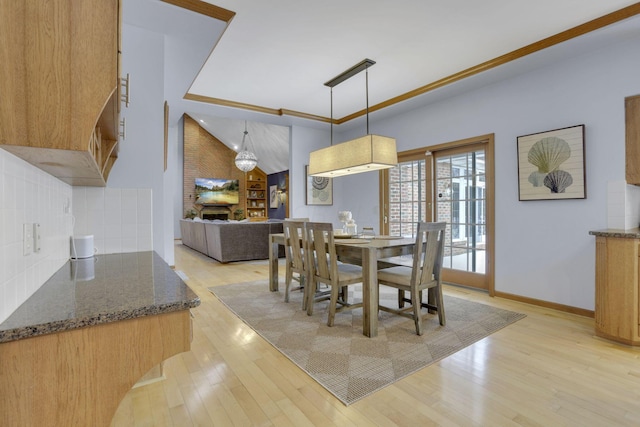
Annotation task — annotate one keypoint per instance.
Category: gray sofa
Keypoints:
(230, 241)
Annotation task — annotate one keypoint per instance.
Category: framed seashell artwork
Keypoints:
(551, 165)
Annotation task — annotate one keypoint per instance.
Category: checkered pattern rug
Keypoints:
(345, 362)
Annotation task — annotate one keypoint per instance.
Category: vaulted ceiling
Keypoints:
(277, 54)
(273, 57)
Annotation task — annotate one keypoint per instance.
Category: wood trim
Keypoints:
(285, 112)
(204, 8)
(258, 108)
(233, 104)
(490, 186)
(488, 143)
(547, 304)
(582, 29)
(383, 200)
(564, 36)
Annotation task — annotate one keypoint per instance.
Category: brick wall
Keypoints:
(206, 157)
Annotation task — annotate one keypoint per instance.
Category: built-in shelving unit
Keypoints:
(256, 195)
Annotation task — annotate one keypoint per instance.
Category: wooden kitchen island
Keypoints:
(70, 353)
(617, 308)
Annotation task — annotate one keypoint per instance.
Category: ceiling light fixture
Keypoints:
(364, 154)
(245, 160)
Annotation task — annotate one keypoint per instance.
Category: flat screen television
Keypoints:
(217, 191)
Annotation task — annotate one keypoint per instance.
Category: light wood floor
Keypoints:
(545, 370)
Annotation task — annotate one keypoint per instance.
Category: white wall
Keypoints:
(140, 163)
(177, 160)
(30, 195)
(543, 249)
(307, 140)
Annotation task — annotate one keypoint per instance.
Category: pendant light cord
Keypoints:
(242, 148)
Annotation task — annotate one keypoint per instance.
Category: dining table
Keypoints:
(368, 253)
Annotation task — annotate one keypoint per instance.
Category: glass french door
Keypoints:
(460, 201)
(407, 198)
(453, 185)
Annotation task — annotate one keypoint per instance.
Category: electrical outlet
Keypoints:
(27, 239)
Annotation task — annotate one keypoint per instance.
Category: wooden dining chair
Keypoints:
(324, 269)
(296, 264)
(425, 273)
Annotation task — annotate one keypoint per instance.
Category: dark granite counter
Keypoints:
(103, 289)
(631, 233)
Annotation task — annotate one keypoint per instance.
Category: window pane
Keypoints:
(480, 162)
(443, 167)
(394, 192)
(407, 198)
(406, 172)
(407, 229)
(406, 192)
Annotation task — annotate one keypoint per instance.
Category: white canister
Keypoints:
(83, 270)
(82, 247)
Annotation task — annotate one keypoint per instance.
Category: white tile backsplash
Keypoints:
(120, 219)
(30, 195)
(632, 209)
(623, 205)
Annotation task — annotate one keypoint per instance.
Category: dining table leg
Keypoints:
(370, 292)
(273, 265)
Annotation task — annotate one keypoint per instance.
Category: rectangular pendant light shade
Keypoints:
(367, 153)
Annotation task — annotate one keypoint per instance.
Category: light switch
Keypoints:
(36, 237)
(27, 239)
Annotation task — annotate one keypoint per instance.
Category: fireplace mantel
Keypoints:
(208, 211)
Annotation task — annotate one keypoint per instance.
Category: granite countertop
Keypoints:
(102, 289)
(630, 233)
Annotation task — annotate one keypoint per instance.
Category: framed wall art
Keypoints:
(319, 190)
(551, 165)
(273, 196)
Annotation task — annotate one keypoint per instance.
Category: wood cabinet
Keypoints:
(79, 377)
(257, 195)
(59, 81)
(617, 311)
(632, 139)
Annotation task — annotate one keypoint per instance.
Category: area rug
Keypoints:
(345, 362)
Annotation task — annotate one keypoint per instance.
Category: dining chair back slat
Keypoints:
(324, 269)
(294, 245)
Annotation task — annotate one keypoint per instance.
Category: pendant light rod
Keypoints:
(331, 115)
(363, 65)
(364, 154)
(366, 80)
(244, 136)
